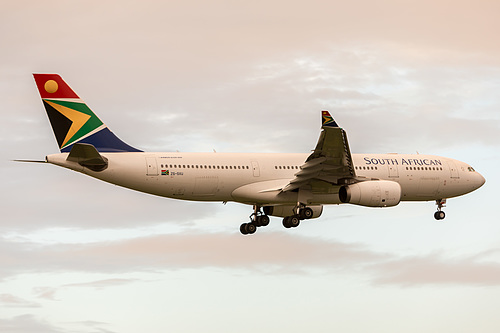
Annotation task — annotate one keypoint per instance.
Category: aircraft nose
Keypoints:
(479, 180)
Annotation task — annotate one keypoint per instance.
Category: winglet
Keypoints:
(328, 120)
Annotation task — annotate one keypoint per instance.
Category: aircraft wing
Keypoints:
(329, 164)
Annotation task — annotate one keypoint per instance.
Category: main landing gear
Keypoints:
(257, 219)
(260, 219)
(440, 215)
(304, 213)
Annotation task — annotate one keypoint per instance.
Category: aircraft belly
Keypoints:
(264, 192)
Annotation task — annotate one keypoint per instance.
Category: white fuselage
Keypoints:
(258, 178)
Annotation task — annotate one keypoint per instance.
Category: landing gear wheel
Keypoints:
(439, 215)
(248, 228)
(291, 221)
(262, 220)
(243, 229)
(306, 213)
(294, 221)
(251, 228)
(286, 222)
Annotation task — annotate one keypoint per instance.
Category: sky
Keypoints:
(80, 255)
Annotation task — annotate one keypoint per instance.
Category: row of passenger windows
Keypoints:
(191, 166)
(281, 167)
(366, 168)
(424, 168)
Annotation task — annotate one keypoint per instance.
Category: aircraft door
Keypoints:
(393, 171)
(152, 167)
(255, 168)
(453, 169)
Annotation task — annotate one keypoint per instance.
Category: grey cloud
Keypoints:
(436, 269)
(186, 250)
(27, 323)
(96, 326)
(48, 293)
(12, 301)
(102, 283)
(278, 98)
(55, 197)
(275, 253)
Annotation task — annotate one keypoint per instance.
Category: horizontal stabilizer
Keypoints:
(87, 155)
(30, 161)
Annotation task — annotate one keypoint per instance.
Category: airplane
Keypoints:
(294, 187)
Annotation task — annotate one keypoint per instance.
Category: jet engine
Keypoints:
(374, 193)
(284, 211)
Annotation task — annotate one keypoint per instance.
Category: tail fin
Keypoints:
(72, 120)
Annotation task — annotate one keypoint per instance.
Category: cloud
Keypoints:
(79, 202)
(47, 293)
(272, 252)
(27, 323)
(269, 251)
(99, 284)
(436, 269)
(11, 301)
(96, 326)
(184, 250)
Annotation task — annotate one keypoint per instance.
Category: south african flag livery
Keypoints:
(328, 120)
(72, 120)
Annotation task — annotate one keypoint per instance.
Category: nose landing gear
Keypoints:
(440, 215)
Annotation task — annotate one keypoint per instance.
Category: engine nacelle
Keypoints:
(283, 211)
(374, 193)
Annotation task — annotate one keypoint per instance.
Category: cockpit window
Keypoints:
(471, 169)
